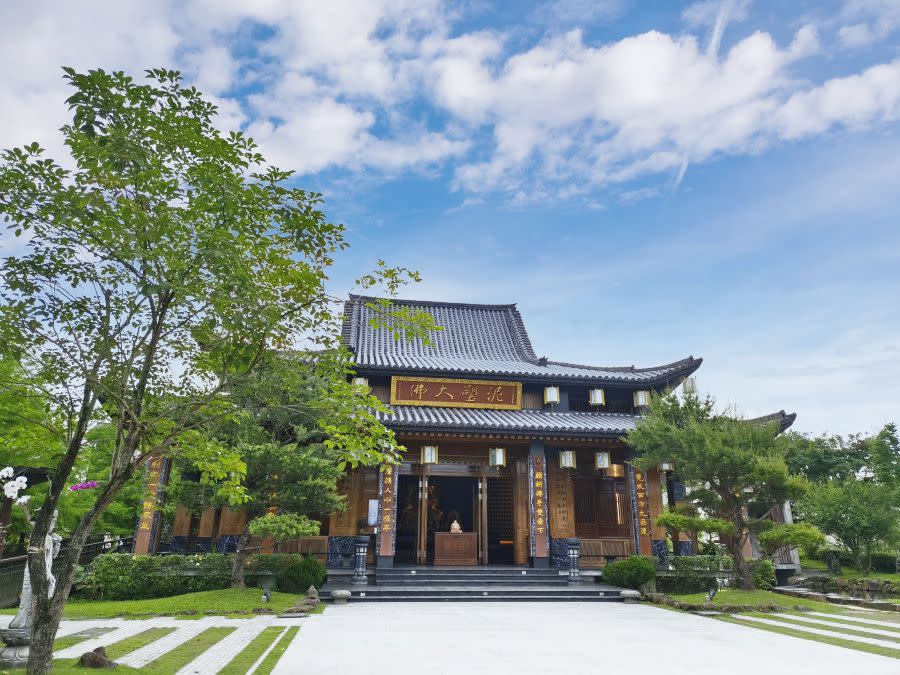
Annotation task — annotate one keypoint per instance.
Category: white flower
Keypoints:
(23, 500)
(11, 490)
(6, 472)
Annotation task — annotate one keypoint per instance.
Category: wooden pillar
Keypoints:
(146, 537)
(540, 539)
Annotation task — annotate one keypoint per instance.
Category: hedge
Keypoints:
(632, 572)
(122, 576)
(695, 573)
(763, 573)
(882, 561)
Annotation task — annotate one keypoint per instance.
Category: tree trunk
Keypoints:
(47, 611)
(240, 558)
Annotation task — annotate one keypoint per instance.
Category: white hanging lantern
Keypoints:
(601, 460)
(361, 382)
(641, 398)
(667, 466)
(429, 454)
(497, 457)
(597, 397)
(551, 394)
(567, 459)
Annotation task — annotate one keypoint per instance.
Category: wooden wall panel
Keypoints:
(532, 400)
(342, 523)
(207, 522)
(560, 500)
(232, 521)
(181, 526)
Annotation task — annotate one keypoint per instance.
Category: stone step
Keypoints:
(497, 597)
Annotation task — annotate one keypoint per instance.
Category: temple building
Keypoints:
(516, 454)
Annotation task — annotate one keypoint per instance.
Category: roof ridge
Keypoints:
(435, 303)
(630, 369)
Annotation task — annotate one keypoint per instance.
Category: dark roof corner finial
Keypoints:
(542, 361)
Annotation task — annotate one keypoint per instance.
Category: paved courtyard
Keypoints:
(570, 638)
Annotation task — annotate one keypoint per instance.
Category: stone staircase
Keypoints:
(470, 584)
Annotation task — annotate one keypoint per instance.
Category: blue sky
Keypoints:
(646, 180)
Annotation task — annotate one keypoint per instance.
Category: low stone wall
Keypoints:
(861, 588)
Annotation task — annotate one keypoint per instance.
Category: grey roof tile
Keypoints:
(479, 340)
(525, 421)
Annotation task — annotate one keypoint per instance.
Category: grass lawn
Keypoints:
(251, 653)
(226, 602)
(799, 633)
(275, 655)
(728, 596)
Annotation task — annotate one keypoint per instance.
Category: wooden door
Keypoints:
(422, 535)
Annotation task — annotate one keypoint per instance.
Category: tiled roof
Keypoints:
(479, 340)
(507, 421)
(784, 420)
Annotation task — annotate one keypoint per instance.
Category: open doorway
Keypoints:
(407, 520)
(450, 498)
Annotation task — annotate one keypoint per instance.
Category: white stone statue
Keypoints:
(455, 527)
(18, 635)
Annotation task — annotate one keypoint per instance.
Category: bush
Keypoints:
(763, 573)
(122, 576)
(293, 573)
(633, 572)
(695, 573)
(884, 562)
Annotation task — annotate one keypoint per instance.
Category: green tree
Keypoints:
(730, 462)
(824, 457)
(861, 515)
(167, 260)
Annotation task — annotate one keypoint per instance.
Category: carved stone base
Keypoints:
(14, 657)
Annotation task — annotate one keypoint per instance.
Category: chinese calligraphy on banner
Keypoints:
(431, 391)
(643, 508)
(539, 481)
(154, 474)
(388, 495)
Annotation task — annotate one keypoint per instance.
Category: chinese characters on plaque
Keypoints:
(540, 506)
(431, 391)
(388, 493)
(643, 506)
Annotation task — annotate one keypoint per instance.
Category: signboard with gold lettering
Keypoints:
(434, 391)
(642, 503)
(386, 531)
(539, 524)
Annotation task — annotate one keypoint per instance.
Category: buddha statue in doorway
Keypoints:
(455, 528)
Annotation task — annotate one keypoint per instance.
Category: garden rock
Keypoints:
(96, 659)
(630, 596)
(340, 597)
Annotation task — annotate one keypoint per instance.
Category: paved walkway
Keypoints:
(574, 638)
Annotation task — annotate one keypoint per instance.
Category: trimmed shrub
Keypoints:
(695, 573)
(293, 573)
(884, 562)
(633, 572)
(763, 573)
(123, 576)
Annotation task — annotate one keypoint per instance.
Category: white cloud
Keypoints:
(867, 21)
(395, 85)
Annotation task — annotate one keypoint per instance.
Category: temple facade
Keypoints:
(517, 454)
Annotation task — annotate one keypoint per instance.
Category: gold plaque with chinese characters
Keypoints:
(456, 393)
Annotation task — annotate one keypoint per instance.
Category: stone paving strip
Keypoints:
(833, 625)
(219, 655)
(268, 650)
(120, 632)
(141, 657)
(819, 631)
(856, 619)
